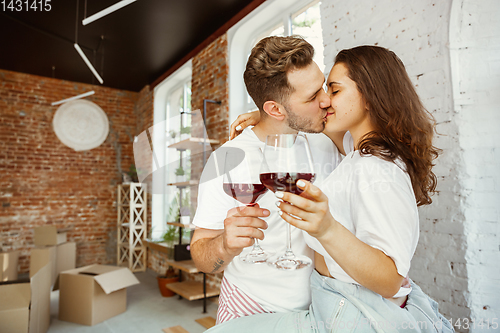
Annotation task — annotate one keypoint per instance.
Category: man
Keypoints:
(287, 87)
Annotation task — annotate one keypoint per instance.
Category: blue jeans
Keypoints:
(344, 307)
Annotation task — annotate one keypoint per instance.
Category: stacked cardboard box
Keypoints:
(8, 265)
(87, 295)
(25, 305)
(27, 302)
(51, 247)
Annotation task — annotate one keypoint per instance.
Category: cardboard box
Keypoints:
(61, 258)
(65, 259)
(89, 295)
(8, 265)
(41, 257)
(49, 235)
(25, 307)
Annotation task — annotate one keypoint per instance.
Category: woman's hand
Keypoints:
(243, 121)
(370, 267)
(311, 208)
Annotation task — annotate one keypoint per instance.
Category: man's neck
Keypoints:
(270, 126)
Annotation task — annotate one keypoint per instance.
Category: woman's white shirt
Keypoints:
(374, 200)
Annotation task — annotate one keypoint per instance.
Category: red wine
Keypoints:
(285, 181)
(245, 193)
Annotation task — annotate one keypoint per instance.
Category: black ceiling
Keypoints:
(141, 41)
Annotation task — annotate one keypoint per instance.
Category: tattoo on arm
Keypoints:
(218, 264)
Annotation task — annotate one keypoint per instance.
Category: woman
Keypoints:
(362, 221)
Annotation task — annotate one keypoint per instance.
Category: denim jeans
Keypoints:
(345, 307)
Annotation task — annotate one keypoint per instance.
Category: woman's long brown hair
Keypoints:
(403, 127)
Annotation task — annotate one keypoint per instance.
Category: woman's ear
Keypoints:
(274, 110)
(367, 105)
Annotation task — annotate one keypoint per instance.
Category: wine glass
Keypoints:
(241, 181)
(287, 158)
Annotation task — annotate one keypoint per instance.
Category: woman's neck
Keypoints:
(359, 131)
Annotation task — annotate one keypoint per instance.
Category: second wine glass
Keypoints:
(287, 158)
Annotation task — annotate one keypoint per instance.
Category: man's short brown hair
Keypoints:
(267, 67)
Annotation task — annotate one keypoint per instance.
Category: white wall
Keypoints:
(457, 260)
(475, 44)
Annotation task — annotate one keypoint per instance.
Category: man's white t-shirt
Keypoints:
(374, 200)
(276, 290)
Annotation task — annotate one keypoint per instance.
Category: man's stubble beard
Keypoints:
(300, 124)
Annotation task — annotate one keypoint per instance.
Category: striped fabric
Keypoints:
(234, 303)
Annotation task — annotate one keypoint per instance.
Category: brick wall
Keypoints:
(209, 81)
(145, 115)
(456, 261)
(157, 261)
(44, 182)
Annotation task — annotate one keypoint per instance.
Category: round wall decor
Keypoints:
(81, 125)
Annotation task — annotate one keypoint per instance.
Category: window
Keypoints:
(172, 103)
(307, 23)
(273, 18)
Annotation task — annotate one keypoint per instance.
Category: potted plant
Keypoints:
(133, 173)
(130, 176)
(169, 277)
(180, 174)
(168, 239)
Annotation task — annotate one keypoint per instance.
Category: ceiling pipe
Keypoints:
(84, 57)
(107, 11)
(88, 93)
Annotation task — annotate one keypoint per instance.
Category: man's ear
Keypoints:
(274, 110)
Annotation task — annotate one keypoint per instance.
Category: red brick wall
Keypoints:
(144, 110)
(44, 182)
(209, 81)
(145, 120)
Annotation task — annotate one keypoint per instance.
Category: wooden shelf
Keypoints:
(127, 246)
(189, 226)
(184, 265)
(132, 218)
(192, 144)
(192, 290)
(161, 247)
(184, 184)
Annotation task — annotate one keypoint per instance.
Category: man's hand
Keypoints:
(241, 226)
(213, 250)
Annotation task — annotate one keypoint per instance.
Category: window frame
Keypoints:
(162, 94)
(242, 37)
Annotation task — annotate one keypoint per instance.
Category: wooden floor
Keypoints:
(175, 329)
(206, 322)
